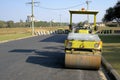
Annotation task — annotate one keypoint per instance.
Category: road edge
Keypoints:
(112, 73)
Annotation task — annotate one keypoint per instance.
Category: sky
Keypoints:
(56, 10)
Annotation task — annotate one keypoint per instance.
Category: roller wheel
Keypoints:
(82, 61)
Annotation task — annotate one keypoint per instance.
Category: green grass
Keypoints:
(13, 36)
(110, 38)
(111, 50)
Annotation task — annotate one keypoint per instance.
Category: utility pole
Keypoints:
(32, 15)
(87, 2)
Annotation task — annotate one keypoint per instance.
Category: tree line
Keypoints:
(113, 14)
(12, 24)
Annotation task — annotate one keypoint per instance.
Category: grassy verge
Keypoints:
(13, 36)
(15, 33)
(111, 50)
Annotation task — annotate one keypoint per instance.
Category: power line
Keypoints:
(62, 8)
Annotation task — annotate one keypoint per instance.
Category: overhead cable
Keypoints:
(62, 8)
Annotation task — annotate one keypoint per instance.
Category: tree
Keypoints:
(3, 24)
(117, 12)
(113, 13)
(10, 24)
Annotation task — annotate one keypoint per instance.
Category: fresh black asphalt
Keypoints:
(39, 58)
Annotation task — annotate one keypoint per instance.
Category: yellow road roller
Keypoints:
(83, 49)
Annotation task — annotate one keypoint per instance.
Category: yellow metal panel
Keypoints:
(94, 20)
(70, 19)
(88, 44)
(84, 31)
(77, 44)
(85, 44)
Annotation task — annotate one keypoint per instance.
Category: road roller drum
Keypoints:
(82, 61)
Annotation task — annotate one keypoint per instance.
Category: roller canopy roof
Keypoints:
(83, 12)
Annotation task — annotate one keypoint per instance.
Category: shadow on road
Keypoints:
(55, 38)
(52, 59)
(48, 56)
(22, 51)
(47, 59)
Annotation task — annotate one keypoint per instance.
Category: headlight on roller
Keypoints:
(69, 44)
(96, 45)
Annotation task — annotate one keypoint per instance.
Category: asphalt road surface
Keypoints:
(39, 58)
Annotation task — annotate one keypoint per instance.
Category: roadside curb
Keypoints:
(16, 39)
(112, 73)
